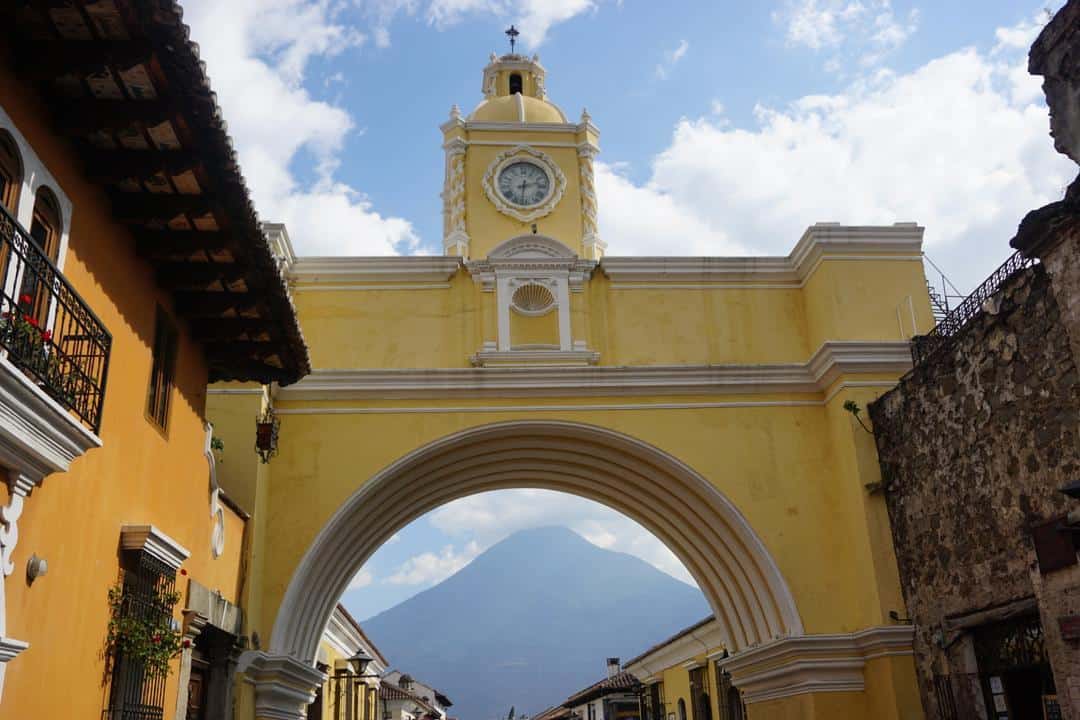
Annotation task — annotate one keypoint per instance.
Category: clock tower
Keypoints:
(515, 166)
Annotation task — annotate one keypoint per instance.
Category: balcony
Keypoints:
(47, 331)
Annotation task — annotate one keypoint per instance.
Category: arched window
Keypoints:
(515, 83)
(682, 709)
(736, 709)
(45, 230)
(45, 226)
(11, 173)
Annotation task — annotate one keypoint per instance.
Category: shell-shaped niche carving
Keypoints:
(532, 299)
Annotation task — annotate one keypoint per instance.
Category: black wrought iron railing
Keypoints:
(47, 330)
(925, 346)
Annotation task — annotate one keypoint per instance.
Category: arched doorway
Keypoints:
(690, 515)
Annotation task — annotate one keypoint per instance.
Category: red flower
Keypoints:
(187, 643)
(46, 335)
(156, 639)
(183, 571)
(31, 319)
(8, 315)
(25, 299)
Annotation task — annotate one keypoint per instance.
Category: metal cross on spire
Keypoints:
(512, 33)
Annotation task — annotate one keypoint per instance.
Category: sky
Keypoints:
(726, 129)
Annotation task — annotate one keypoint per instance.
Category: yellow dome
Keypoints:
(517, 108)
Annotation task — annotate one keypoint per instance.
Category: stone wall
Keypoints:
(974, 444)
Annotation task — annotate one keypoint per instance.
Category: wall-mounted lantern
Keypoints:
(266, 434)
(359, 663)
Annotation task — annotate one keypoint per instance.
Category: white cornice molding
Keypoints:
(277, 236)
(470, 125)
(680, 651)
(814, 663)
(831, 362)
(343, 270)
(534, 358)
(284, 686)
(150, 540)
(37, 435)
(902, 241)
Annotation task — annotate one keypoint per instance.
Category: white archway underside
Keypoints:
(742, 583)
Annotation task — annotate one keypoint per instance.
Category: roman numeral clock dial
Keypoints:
(524, 184)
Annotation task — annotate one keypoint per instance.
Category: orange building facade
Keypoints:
(133, 273)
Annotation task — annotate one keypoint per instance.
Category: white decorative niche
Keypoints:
(532, 275)
(524, 153)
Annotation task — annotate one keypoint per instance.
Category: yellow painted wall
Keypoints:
(139, 475)
(534, 330)
(234, 423)
(435, 326)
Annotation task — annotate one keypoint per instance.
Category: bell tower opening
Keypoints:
(517, 164)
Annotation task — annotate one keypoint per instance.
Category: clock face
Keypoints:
(524, 184)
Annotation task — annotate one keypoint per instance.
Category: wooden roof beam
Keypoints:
(193, 304)
(197, 275)
(222, 329)
(62, 57)
(140, 208)
(164, 244)
(249, 370)
(83, 117)
(111, 166)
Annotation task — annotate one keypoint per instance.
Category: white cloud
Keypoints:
(671, 58)
(534, 18)
(959, 145)
(430, 568)
(489, 517)
(861, 32)
(361, 579)
(256, 53)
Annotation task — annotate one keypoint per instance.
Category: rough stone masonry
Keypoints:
(976, 441)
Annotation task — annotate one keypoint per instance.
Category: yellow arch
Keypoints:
(692, 517)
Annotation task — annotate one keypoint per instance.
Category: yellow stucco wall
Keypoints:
(439, 325)
(140, 475)
(796, 465)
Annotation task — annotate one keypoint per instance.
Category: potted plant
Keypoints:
(142, 630)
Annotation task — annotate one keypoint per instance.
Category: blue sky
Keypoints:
(726, 128)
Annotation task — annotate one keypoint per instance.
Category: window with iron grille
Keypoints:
(161, 373)
(699, 694)
(728, 697)
(135, 693)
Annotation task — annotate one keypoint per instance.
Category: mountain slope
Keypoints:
(530, 621)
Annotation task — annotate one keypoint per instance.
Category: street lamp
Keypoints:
(359, 662)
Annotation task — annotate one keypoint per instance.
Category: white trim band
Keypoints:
(150, 540)
(814, 663)
(832, 361)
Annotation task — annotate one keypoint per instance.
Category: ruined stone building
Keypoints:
(976, 444)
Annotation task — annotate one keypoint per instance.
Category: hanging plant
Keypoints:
(141, 629)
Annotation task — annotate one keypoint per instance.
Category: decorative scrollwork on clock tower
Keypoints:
(515, 166)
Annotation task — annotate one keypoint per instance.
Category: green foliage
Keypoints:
(217, 443)
(145, 637)
(31, 347)
(852, 407)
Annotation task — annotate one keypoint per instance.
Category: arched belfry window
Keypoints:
(515, 83)
(11, 172)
